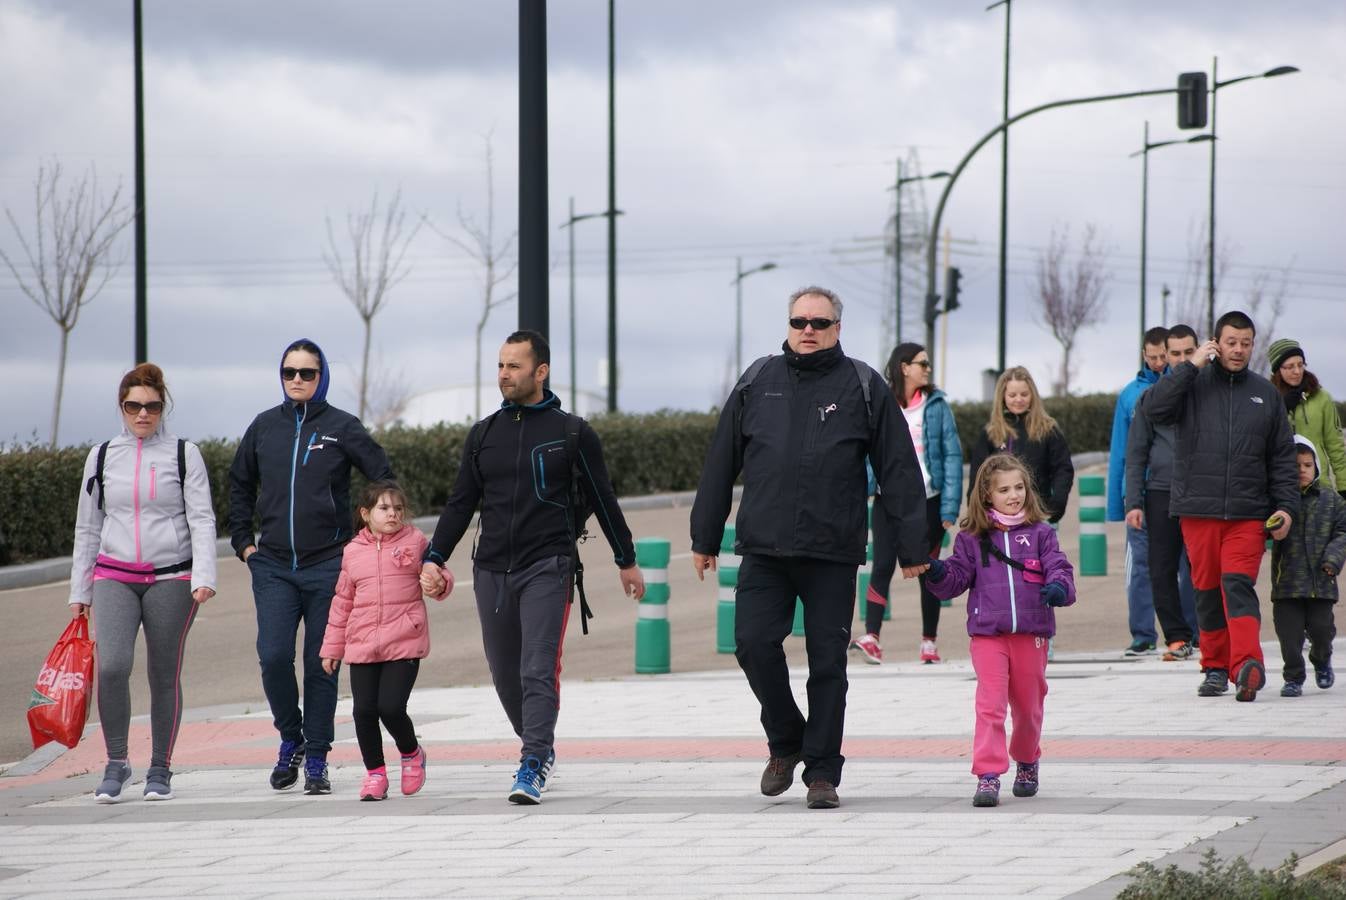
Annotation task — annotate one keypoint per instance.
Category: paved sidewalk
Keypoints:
(655, 794)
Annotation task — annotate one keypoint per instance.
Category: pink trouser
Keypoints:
(1011, 672)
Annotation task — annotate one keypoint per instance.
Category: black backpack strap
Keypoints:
(182, 466)
(97, 476)
(578, 533)
(862, 371)
(988, 550)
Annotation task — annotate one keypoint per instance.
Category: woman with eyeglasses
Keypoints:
(1312, 411)
(940, 455)
(144, 557)
(291, 476)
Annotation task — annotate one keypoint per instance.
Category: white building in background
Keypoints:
(454, 404)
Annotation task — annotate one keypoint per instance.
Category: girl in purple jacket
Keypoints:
(1006, 556)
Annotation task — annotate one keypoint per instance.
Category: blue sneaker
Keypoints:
(1324, 676)
(115, 777)
(548, 766)
(288, 761)
(315, 775)
(527, 788)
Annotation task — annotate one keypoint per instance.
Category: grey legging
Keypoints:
(166, 609)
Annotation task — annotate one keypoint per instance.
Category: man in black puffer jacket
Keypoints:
(799, 434)
(1234, 465)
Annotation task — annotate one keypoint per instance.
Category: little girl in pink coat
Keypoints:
(378, 626)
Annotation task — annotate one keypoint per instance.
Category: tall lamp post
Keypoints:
(897, 234)
(1215, 85)
(142, 340)
(570, 225)
(612, 206)
(1003, 303)
(739, 275)
(1144, 154)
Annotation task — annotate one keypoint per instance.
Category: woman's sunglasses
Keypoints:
(132, 408)
(288, 374)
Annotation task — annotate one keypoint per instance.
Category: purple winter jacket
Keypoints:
(1001, 600)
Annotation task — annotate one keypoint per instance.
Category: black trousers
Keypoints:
(1292, 618)
(763, 616)
(886, 530)
(1166, 550)
(380, 691)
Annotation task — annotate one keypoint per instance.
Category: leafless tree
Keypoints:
(377, 264)
(1264, 301)
(70, 254)
(1071, 297)
(389, 394)
(1190, 302)
(497, 263)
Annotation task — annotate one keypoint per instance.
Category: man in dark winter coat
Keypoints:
(1234, 466)
(799, 433)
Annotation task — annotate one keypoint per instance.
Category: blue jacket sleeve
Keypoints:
(951, 491)
(1121, 427)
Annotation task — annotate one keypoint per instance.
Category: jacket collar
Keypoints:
(549, 401)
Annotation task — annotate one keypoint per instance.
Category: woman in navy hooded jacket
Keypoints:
(292, 476)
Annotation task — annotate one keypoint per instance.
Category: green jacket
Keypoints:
(1317, 537)
(1316, 418)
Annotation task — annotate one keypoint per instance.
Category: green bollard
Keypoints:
(724, 610)
(798, 630)
(1093, 539)
(652, 643)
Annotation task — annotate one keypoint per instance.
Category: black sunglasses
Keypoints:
(923, 363)
(799, 323)
(132, 408)
(288, 374)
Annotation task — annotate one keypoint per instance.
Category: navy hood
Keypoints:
(324, 375)
(548, 401)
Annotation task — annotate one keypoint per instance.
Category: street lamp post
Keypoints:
(1003, 304)
(569, 224)
(1215, 85)
(897, 234)
(739, 275)
(1144, 154)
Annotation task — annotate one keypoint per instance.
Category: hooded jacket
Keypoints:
(1048, 460)
(1317, 536)
(378, 613)
(1317, 419)
(1234, 457)
(1119, 475)
(292, 472)
(1001, 599)
(521, 480)
(146, 517)
(799, 435)
(943, 454)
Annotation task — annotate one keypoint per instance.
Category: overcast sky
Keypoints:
(754, 128)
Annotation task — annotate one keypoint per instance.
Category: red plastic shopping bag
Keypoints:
(59, 705)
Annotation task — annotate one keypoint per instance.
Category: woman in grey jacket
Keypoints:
(144, 555)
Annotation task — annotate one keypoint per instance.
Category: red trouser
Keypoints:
(1011, 672)
(1225, 557)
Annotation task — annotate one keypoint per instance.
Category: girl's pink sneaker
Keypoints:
(375, 786)
(413, 772)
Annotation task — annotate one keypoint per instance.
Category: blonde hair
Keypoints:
(1036, 421)
(978, 520)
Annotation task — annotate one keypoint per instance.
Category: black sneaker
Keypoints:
(286, 772)
(1324, 676)
(315, 775)
(1292, 689)
(1252, 675)
(1026, 780)
(779, 774)
(988, 791)
(1216, 683)
(1139, 648)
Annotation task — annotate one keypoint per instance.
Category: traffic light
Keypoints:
(931, 309)
(952, 286)
(1192, 100)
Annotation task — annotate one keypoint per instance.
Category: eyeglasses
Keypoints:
(799, 323)
(288, 374)
(132, 408)
(923, 363)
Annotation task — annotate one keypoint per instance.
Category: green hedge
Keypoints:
(645, 454)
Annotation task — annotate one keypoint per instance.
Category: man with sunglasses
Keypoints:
(798, 427)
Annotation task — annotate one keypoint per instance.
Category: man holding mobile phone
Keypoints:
(1234, 466)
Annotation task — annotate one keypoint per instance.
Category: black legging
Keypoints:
(381, 691)
(884, 533)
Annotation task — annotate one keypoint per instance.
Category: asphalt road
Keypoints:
(221, 664)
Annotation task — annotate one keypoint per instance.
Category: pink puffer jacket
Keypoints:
(378, 613)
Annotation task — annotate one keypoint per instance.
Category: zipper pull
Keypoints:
(518, 415)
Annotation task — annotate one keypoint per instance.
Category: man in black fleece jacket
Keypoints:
(799, 434)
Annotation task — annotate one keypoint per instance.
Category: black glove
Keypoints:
(936, 570)
(1054, 594)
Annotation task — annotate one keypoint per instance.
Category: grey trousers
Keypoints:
(166, 610)
(523, 621)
